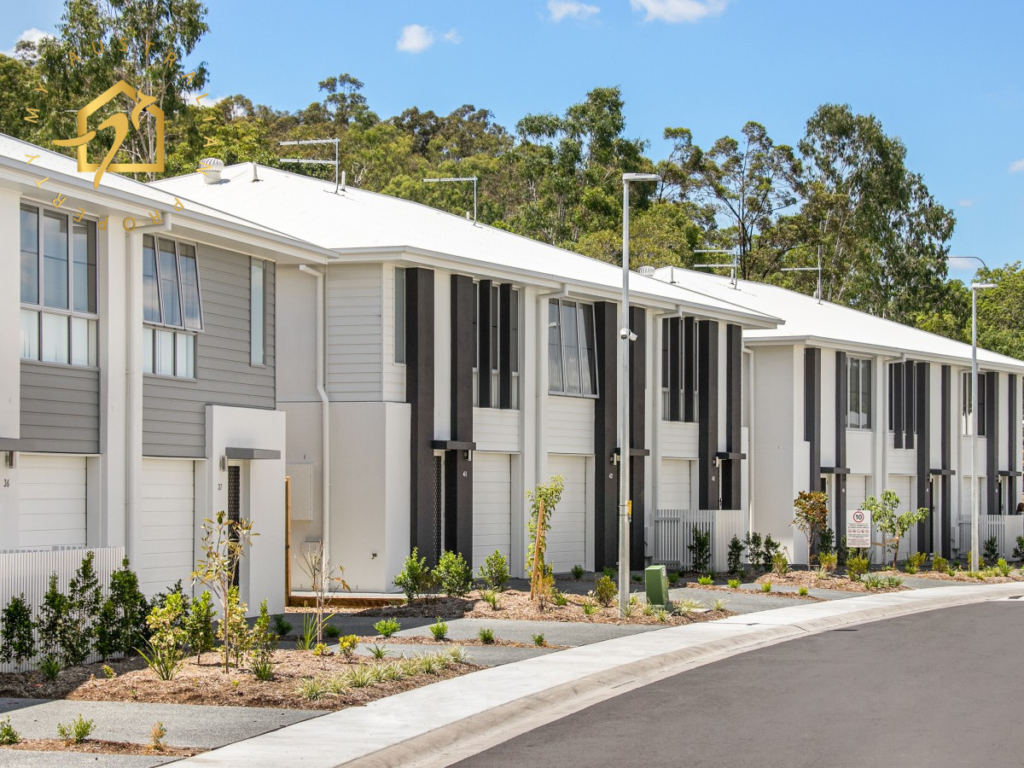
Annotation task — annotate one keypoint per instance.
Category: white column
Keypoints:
(133, 393)
(113, 361)
(10, 314)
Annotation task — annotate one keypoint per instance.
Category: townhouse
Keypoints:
(139, 395)
(851, 404)
(440, 369)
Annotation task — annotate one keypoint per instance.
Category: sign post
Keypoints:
(858, 530)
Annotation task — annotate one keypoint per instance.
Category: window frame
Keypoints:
(161, 323)
(578, 310)
(867, 412)
(966, 412)
(262, 361)
(69, 313)
(153, 328)
(400, 295)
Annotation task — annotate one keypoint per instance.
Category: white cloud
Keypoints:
(569, 9)
(675, 11)
(33, 35)
(416, 38)
(965, 203)
(1017, 166)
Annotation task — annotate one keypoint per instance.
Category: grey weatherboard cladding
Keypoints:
(59, 409)
(174, 410)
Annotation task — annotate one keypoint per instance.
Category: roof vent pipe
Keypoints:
(211, 167)
(646, 271)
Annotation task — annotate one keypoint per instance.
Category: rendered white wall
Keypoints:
(303, 446)
(250, 428)
(112, 252)
(296, 336)
(10, 314)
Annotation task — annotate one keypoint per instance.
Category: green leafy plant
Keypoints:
(233, 633)
(312, 689)
(734, 583)
(842, 552)
(1003, 567)
(990, 549)
(50, 666)
(108, 672)
(8, 735)
(157, 734)
(766, 586)
(770, 550)
(262, 645)
(490, 597)
(307, 638)
(53, 622)
(589, 607)
(810, 515)
(281, 627)
(325, 579)
(684, 607)
(386, 627)
(122, 623)
(873, 582)
(734, 558)
(577, 571)
(543, 502)
(332, 632)
(1018, 550)
(17, 642)
(706, 581)
(892, 582)
(494, 571)
(856, 567)
(84, 601)
(719, 604)
(165, 653)
(198, 625)
(780, 564)
(914, 562)
(803, 592)
(379, 651)
(539, 641)
(886, 518)
(439, 629)
(559, 599)
(828, 562)
(224, 543)
(605, 591)
(77, 731)
(486, 636)
(454, 575)
(414, 576)
(347, 645)
(826, 541)
(940, 564)
(700, 550)
(608, 571)
(673, 578)
(755, 554)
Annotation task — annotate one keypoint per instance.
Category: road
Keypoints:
(935, 689)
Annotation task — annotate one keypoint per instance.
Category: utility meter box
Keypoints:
(656, 585)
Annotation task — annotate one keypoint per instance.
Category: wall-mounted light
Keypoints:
(10, 459)
(224, 463)
(468, 456)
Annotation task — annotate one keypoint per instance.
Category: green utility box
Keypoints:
(656, 585)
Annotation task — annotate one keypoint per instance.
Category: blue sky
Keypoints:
(944, 76)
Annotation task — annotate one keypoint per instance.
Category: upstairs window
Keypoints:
(58, 288)
(966, 414)
(858, 403)
(399, 315)
(572, 345)
(171, 307)
(257, 312)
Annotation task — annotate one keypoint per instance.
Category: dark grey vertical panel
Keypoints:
(1013, 443)
(458, 468)
(842, 409)
(896, 398)
(707, 408)
(991, 415)
(945, 446)
(60, 409)
(483, 324)
(675, 331)
(689, 347)
(606, 535)
(637, 433)
(732, 469)
(812, 413)
(506, 349)
(909, 415)
(922, 401)
(419, 389)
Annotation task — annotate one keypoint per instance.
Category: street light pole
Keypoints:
(625, 337)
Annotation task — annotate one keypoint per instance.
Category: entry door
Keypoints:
(237, 504)
(437, 537)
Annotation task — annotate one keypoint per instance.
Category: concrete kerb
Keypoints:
(442, 723)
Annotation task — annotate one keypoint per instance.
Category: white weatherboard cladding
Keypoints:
(52, 491)
(679, 439)
(675, 488)
(570, 425)
(856, 492)
(167, 528)
(902, 460)
(492, 505)
(496, 429)
(859, 453)
(566, 543)
(355, 332)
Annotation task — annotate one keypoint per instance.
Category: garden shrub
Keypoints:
(1018, 550)
(914, 562)
(810, 516)
(828, 561)
(84, 599)
(734, 583)
(605, 591)
(780, 564)
(198, 625)
(826, 541)
(705, 581)
(75, 732)
(842, 553)
(766, 586)
(454, 575)
(577, 571)
(940, 564)
(50, 666)
(769, 551)
(17, 643)
(700, 550)
(1003, 567)
(856, 566)
(546, 497)
(538, 640)
(8, 735)
(735, 553)
(261, 645)
(53, 623)
(347, 645)
(494, 571)
(990, 549)
(282, 627)
(608, 571)
(233, 631)
(386, 627)
(122, 623)
(331, 632)
(165, 652)
(755, 554)
(414, 576)
(673, 578)
(439, 629)
(486, 636)
(885, 516)
(559, 599)
(803, 591)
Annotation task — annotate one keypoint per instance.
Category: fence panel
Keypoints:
(674, 528)
(1005, 529)
(27, 572)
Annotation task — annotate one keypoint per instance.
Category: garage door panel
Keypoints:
(566, 541)
(492, 506)
(674, 484)
(167, 533)
(52, 501)
(51, 538)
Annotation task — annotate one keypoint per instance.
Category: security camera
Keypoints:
(625, 333)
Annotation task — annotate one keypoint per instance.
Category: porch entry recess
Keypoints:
(673, 535)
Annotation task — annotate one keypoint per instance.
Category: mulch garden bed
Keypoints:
(205, 683)
(449, 642)
(101, 747)
(516, 605)
(730, 590)
(957, 576)
(811, 580)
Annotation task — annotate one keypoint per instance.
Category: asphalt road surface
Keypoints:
(943, 688)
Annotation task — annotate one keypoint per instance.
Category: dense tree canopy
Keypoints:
(842, 194)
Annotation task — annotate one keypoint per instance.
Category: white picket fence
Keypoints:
(27, 572)
(1006, 529)
(673, 534)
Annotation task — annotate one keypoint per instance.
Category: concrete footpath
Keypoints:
(442, 723)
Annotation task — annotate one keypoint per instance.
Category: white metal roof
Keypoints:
(357, 222)
(136, 197)
(832, 325)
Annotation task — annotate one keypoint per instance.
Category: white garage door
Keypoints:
(52, 496)
(675, 484)
(492, 505)
(168, 524)
(567, 539)
(905, 487)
